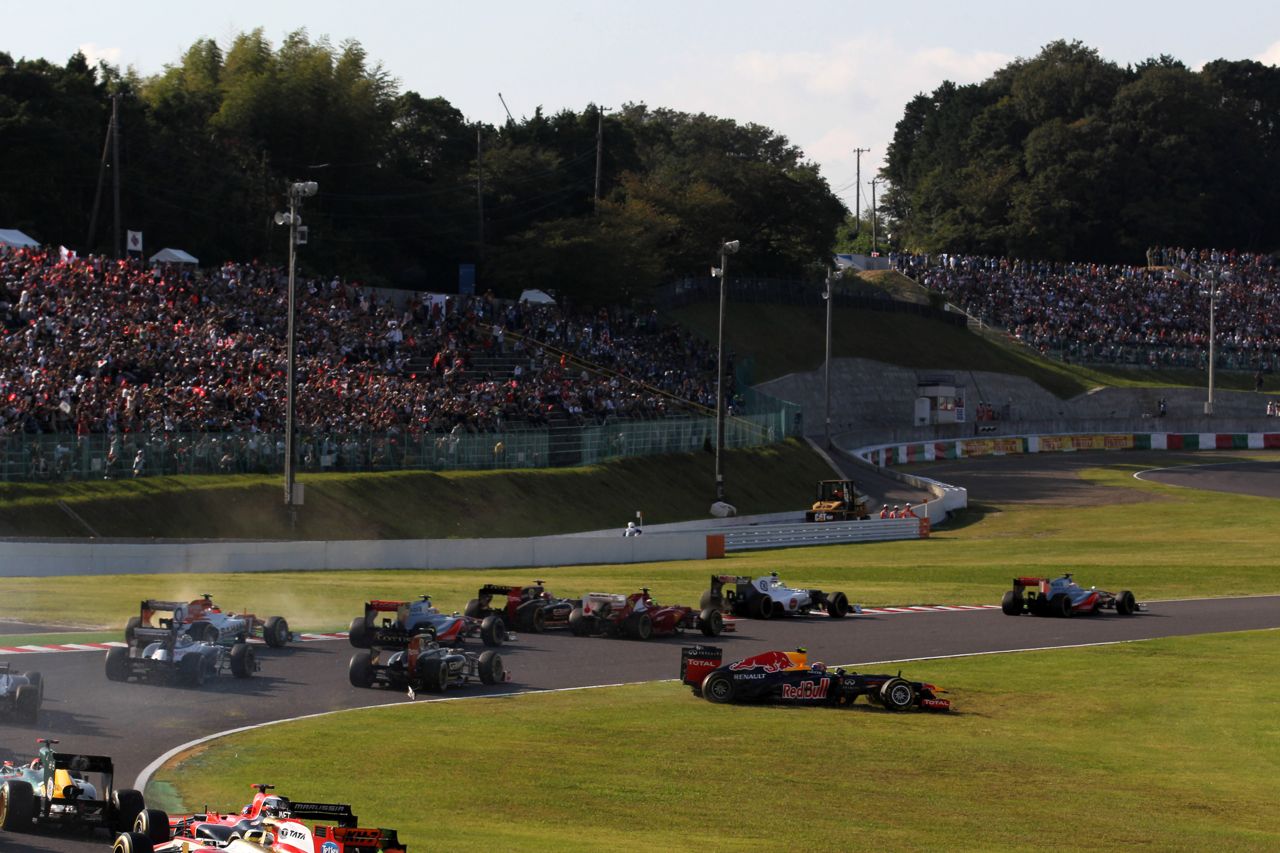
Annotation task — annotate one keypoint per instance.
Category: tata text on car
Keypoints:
(279, 828)
(789, 678)
(529, 608)
(207, 622)
(65, 790)
(423, 664)
(169, 653)
(412, 618)
(639, 617)
(1062, 596)
(21, 694)
(766, 597)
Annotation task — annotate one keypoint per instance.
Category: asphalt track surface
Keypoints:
(135, 723)
(1243, 478)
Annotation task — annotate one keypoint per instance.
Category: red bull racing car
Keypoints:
(789, 678)
(639, 617)
(1062, 596)
(529, 608)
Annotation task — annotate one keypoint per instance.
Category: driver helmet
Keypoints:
(819, 666)
(185, 640)
(271, 807)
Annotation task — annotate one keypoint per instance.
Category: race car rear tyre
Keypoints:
(1126, 604)
(36, 679)
(718, 687)
(133, 623)
(242, 661)
(17, 805)
(203, 632)
(473, 609)
(132, 842)
(711, 622)
(579, 623)
(490, 667)
(640, 626)
(276, 632)
(360, 670)
(897, 694)
(837, 605)
(126, 805)
(1060, 605)
(1012, 603)
(191, 669)
(117, 664)
(493, 630)
(26, 703)
(154, 824)
(433, 674)
(763, 607)
(358, 633)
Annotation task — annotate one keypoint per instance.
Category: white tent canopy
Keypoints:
(11, 238)
(537, 297)
(174, 256)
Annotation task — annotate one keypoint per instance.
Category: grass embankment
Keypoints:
(1177, 543)
(419, 504)
(1086, 748)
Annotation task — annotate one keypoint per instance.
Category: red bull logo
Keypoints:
(769, 662)
(807, 690)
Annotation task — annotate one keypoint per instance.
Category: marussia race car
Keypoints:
(20, 694)
(767, 597)
(61, 789)
(169, 653)
(789, 678)
(425, 665)
(1063, 597)
(274, 826)
(205, 621)
(413, 618)
(221, 831)
(640, 617)
(529, 608)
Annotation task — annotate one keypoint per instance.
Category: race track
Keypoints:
(135, 723)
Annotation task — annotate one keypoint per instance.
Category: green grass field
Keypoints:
(1168, 744)
(1112, 546)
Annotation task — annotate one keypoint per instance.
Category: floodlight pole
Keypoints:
(296, 191)
(727, 247)
(826, 379)
(1213, 300)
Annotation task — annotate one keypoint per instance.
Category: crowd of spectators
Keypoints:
(1155, 315)
(95, 346)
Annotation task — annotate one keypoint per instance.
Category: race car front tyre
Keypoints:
(718, 687)
(36, 679)
(711, 622)
(1126, 604)
(191, 669)
(360, 670)
(134, 622)
(493, 630)
(1060, 605)
(117, 664)
(132, 842)
(276, 632)
(242, 661)
(579, 623)
(26, 703)
(126, 805)
(17, 806)
(897, 694)
(358, 633)
(837, 605)
(154, 824)
(1012, 604)
(490, 667)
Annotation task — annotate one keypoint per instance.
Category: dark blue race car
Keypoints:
(789, 678)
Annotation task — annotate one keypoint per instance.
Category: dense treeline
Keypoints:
(1069, 156)
(208, 145)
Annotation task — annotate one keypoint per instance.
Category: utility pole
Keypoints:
(857, 196)
(102, 173)
(115, 165)
(874, 237)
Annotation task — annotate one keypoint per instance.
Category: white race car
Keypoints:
(207, 622)
(170, 653)
(766, 597)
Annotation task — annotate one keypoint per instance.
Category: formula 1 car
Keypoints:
(276, 827)
(529, 608)
(21, 694)
(1063, 597)
(425, 665)
(766, 597)
(62, 789)
(420, 617)
(789, 678)
(206, 622)
(639, 617)
(169, 653)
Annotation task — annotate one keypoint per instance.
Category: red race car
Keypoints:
(640, 617)
(270, 823)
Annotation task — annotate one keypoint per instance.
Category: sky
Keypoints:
(830, 76)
